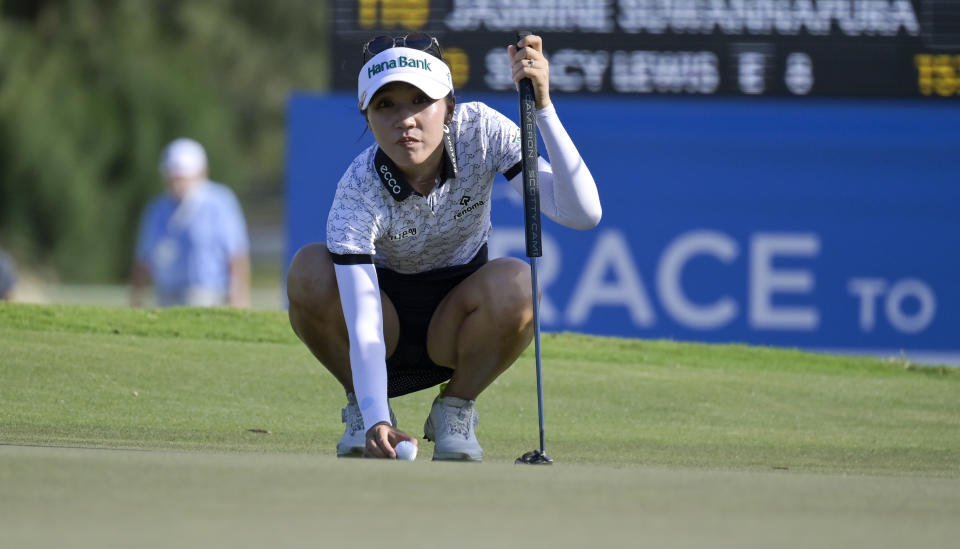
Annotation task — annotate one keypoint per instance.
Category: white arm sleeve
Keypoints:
(568, 193)
(360, 299)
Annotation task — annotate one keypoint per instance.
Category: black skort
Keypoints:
(416, 297)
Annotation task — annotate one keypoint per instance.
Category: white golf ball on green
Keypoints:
(406, 450)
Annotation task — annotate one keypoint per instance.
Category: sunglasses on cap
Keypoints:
(415, 40)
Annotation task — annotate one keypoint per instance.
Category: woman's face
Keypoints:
(407, 124)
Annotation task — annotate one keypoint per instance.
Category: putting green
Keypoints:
(62, 497)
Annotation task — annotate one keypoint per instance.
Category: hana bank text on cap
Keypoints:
(414, 67)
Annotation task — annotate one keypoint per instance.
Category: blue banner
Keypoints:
(822, 224)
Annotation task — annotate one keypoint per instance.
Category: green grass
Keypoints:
(71, 498)
(201, 379)
(124, 427)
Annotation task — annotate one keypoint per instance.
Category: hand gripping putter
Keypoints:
(531, 224)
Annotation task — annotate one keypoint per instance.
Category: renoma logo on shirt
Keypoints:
(468, 209)
(402, 61)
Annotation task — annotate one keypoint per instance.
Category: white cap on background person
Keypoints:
(415, 67)
(183, 157)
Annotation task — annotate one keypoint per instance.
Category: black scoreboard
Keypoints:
(826, 48)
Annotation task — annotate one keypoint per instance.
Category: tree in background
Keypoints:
(91, 90)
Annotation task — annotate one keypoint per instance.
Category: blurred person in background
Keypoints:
(8, 276)
(193, 244)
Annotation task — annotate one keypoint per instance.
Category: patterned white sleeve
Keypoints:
(354, 221)
(503, 140)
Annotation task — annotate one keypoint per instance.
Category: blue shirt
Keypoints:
(187, 245)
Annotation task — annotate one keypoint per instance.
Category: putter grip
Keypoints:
(531, 176)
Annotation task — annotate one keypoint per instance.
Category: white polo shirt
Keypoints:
(376, 216)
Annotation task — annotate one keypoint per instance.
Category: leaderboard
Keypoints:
(800, 48)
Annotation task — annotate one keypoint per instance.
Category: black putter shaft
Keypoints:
(531, 218)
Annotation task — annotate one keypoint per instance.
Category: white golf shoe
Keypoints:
(450, 426)
(354, 438)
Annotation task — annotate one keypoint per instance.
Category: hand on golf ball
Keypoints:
(384, 442)
(406, 450)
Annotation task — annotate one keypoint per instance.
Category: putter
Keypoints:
(531, 222)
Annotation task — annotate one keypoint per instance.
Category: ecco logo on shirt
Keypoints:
(412, 231)
(389, 179)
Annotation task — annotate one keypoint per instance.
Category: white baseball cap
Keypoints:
(415, 67)
(183, 157)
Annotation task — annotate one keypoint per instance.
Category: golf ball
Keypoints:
(406, 450)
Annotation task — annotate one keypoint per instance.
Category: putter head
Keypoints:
(534, 457)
